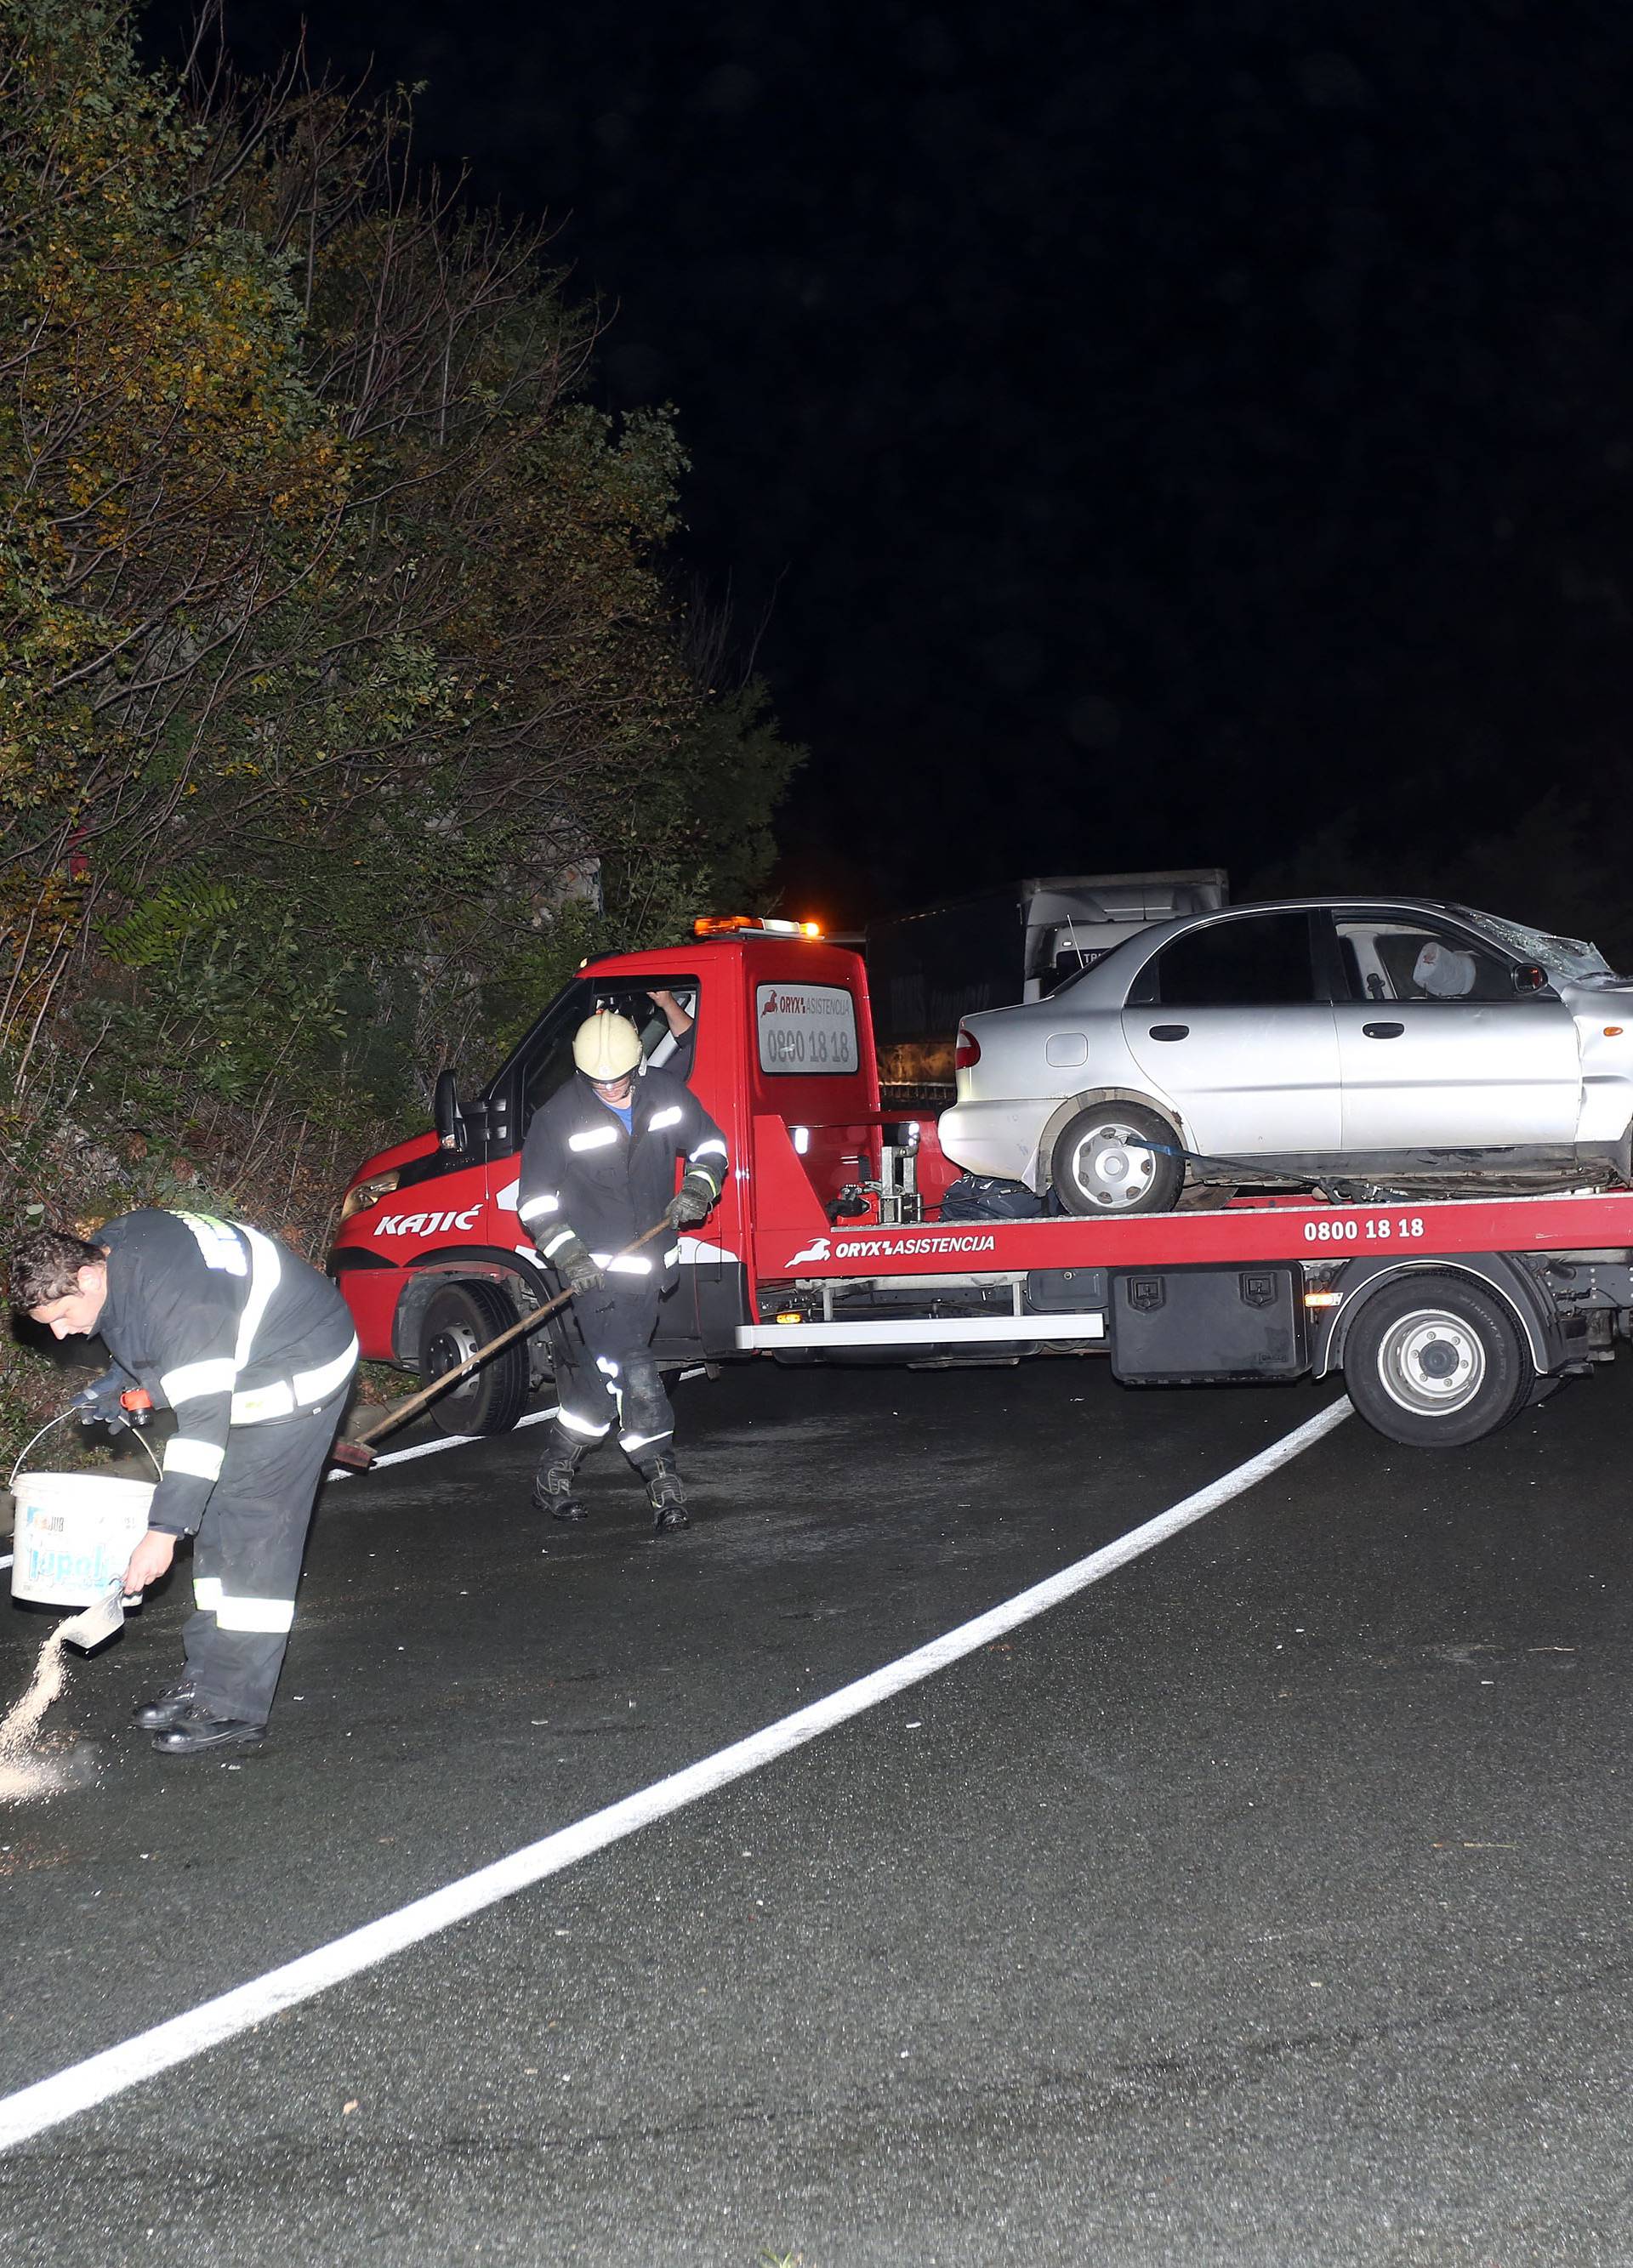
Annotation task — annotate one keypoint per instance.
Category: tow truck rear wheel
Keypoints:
(1437, 1361)
(1116, 1157)
(459, 1318)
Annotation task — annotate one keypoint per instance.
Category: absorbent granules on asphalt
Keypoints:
(24, 1776)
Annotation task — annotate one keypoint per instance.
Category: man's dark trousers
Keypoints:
(246, 1559)
(611, 1374)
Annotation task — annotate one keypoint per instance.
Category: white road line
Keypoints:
(434, 1449)
(33, 2110)
(458, 1440)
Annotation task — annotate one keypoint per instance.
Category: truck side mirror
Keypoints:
(1530, 976)
(445, 1115)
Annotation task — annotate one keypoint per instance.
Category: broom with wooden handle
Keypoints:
(356, 1456)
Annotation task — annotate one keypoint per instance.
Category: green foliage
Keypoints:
(156, 932)
(343, 704)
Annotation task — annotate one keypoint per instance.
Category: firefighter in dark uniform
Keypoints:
(597, 1169)
(255, 1352)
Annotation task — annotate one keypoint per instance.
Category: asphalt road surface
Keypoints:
(1265, 1902)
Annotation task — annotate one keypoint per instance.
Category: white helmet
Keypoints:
(605, 1046)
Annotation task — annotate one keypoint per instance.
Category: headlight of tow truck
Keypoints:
(361, 1195)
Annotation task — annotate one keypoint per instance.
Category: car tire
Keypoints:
(459, 1318)
(1116, 1157)
(1437, 1361)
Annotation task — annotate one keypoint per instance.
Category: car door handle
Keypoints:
(1383, 1031)
(1170, 1031)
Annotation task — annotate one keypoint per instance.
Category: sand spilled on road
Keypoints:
(23, 1775)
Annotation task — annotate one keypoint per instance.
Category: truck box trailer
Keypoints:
(928, 969)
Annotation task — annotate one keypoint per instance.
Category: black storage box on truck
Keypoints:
(926, 970)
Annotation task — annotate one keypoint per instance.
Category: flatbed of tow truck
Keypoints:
(1445, 1315)
(1471, 1306)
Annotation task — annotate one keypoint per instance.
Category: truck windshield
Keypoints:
(547, 1052)
(1562, 956)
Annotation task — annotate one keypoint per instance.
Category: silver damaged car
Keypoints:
(1305, 1038)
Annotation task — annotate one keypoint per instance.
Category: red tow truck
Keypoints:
(1445, 1317)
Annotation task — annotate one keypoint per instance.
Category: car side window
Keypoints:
(1258, 961)
(1409, 960)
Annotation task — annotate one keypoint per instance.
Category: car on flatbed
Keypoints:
(1305, 1037)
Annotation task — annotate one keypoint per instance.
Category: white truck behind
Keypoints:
(928, 969)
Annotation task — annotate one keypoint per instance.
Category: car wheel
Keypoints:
(1116, 1157)
(1437, 1361)
(459, 1318)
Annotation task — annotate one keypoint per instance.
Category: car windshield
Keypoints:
(1560, 956)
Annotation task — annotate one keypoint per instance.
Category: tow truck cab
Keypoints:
(784, 1055)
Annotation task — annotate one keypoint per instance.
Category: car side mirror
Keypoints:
(446, 1114)
(1530, 976)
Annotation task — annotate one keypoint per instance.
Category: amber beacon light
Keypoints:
(728, 924)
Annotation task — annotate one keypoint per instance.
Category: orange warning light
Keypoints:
(728, 924)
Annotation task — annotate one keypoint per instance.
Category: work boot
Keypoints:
(667, 1498)
(159, 1714)
(189, 1735)
(552, 1483)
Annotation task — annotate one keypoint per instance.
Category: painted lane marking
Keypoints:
(460, 1441)
(33, 2110)
(434, 1449)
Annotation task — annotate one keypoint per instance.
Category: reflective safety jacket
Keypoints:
(582, 1175)
(225, 1327)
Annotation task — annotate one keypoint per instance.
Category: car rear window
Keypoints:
(1259, 962)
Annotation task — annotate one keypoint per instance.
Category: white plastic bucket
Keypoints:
(74, 1532)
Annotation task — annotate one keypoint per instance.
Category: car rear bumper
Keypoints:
(995, 1138)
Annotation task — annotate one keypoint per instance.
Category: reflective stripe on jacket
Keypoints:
(582, 1175)
(225, 1326)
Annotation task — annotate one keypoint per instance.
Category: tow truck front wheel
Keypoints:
(1437, 1361)
(1116, 1157)
(458, 1320)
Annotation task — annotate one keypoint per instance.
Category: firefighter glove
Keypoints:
(99, 1404)
(575, 1264)
(692, 1201)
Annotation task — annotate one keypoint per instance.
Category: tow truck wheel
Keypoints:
(1437, 1361)
(1116, 1157)
(458, 1320)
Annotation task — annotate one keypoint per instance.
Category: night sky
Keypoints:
(1158, 431)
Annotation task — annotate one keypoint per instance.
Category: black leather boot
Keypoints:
(666, 1497)
(552, 1483)
(159, 1714)
(193, 1733)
